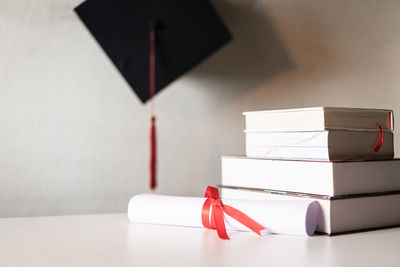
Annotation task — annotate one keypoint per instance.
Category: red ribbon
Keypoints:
(379, 141)
(152, 90)
(153, 154)
(216, 221)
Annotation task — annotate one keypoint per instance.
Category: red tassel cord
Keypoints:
(152, 88)
(153, 154)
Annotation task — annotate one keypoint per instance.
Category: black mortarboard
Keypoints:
(187, 32)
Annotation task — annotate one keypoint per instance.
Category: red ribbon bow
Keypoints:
(216, 220)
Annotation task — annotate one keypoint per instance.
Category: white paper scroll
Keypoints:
(278, 216)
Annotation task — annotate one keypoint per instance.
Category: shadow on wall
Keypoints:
(255, 55)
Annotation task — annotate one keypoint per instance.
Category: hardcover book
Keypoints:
(313, 177)
(321, 145)
(337, 214)
(318, 119)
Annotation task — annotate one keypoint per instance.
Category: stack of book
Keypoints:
(341, 157)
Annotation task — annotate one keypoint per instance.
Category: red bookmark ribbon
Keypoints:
(379, 141)
(215, 220)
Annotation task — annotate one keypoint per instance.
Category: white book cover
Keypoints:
(319, 118)
(320, 145)
(340, 214)
(313, 177)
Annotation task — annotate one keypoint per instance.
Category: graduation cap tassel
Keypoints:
(153, 156)
(152, 83)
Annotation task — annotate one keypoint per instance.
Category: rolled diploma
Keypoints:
(278, 216)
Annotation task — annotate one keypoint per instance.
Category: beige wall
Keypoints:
(73, 137)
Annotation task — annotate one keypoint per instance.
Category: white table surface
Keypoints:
(109, 240)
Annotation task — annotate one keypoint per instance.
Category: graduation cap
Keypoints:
(153, 42)
(187, 31)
